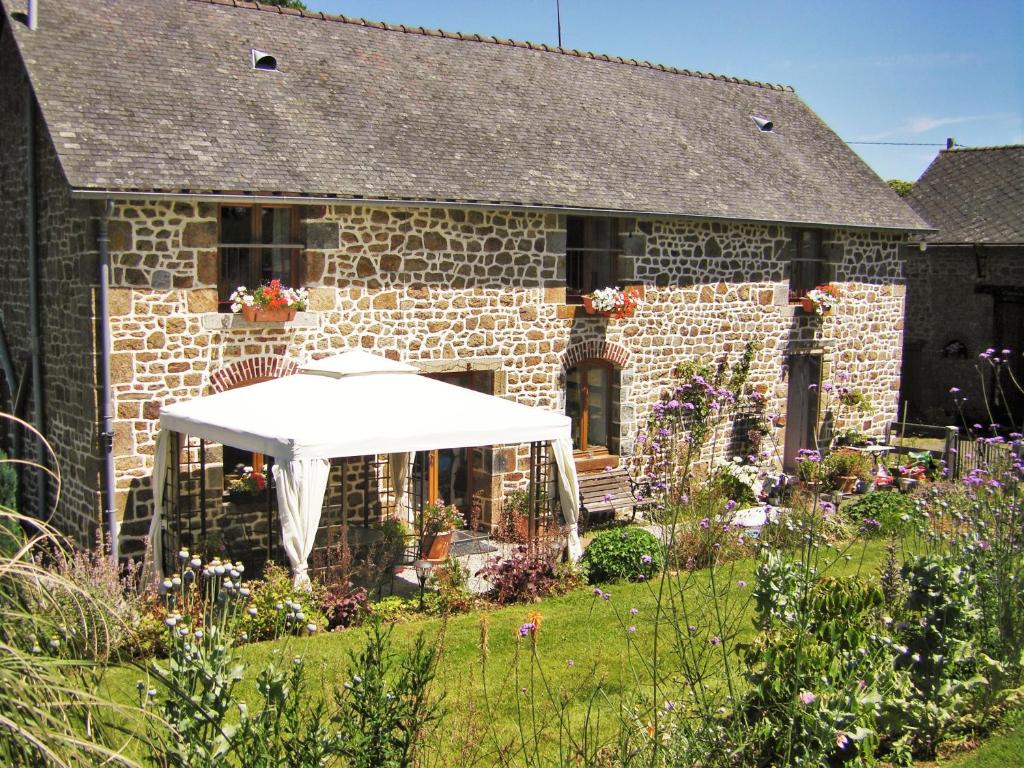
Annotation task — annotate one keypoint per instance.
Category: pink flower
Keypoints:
(842, 739)
(807, 698)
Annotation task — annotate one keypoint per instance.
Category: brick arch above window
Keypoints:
(595, 349)
(251, 371)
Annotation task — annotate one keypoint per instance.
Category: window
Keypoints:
(592, 251)
(807, 267)
(591, 395)
(257, 243)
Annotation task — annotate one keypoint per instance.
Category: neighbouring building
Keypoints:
(965, 287)
(446, 198)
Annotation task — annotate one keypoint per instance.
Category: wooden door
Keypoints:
(1009, 334)
(801, 407)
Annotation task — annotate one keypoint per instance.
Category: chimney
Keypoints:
(950, 143)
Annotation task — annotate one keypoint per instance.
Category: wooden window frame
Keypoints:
(578, 275)
(255, 246)
(582, 367)
(817, 258)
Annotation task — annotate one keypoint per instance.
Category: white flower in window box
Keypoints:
(612, 302)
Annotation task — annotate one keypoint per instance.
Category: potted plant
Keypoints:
(246, 484)
(612, 302)
(821, 299)
(436, 523)
(270, 302)
(845, 468)
(809, 469)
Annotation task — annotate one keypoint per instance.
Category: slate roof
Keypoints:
(161, 95)
(973, 195)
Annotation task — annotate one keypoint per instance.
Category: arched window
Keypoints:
(592, 402)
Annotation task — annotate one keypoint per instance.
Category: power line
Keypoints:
(906, 144)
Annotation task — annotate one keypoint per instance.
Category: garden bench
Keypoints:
(610, 494)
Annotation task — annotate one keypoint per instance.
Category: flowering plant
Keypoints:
(439, 518)
(272, 295)
(823, 298)
(618, 303)
(248, 482)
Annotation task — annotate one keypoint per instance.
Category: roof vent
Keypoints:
(763, 123)
(263, 60)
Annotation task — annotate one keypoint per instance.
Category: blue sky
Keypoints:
(897, 71)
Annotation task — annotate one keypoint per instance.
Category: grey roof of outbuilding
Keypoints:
(161, 95)
(973, 195)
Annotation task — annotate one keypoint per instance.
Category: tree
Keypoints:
(900, 187)
(286, 3)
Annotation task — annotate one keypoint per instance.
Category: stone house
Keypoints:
(965, 285)
(446, 198)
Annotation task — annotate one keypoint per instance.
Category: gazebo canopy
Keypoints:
(357, 404)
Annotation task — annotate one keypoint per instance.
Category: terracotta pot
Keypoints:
(847, 483)
(436, 546)
(256, 315)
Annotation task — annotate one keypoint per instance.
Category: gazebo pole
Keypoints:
(202, 490)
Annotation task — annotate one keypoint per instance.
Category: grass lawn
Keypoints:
(582, 648)
(1004, 749)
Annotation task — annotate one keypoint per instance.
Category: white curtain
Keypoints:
(301, 484)
(399, 467)
(568, 492)
(152, 569)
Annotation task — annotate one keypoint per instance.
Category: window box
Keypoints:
(588, 305)
(257, 315)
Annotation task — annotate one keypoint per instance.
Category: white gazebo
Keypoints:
(353, 404)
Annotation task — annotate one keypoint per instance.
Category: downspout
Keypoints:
(106, 411)
(35, 336)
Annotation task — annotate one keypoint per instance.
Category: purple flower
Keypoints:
(730, 505)
(741, 583)
(807, 698)
(597, 592)
(704, 524)
(526, 628)
(606, 596)
(827, 386)
(691, 629)
(607, 498)
(689, 407)
(631, 629)
(673, 404)
(633, 611)
(715, 640)
(646, 559)
(954, 390)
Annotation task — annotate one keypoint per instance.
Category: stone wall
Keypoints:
(66, 237)
(446, 288)
(952, 299)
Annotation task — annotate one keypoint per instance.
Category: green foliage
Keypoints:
(395, 609)
(627, 553)
(8, 484)
(846, 463)
(272, 598)
(883, 512)
(109, 625)
(900, 187)
(51, 705)
(385, 709)
(451, 580)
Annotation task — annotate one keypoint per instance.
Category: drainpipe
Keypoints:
(106, 411)
(33, 15)
(35, 336)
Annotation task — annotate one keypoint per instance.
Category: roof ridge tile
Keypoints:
(492, 40)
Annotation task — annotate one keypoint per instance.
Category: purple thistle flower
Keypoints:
(646, 559)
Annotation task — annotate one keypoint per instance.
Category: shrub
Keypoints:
(394, 609)
(451, 579)
(702, 543)
(8, 484)
(344, 607)
(846, 463)
(882, 512)
(514, 508)
(272, 596)
(628, 553)
(52, 705)
(105, 627)
(525, 576)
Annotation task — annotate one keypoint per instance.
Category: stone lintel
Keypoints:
(218, 321)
